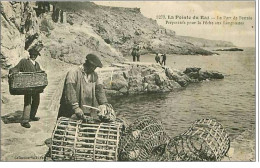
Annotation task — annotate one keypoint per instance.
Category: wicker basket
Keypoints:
(27, 83)
(205, 140)
(144, 140)
(73, 140)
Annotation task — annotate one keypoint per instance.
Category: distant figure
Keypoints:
(157, 58)
(135, 53)
(163, 59)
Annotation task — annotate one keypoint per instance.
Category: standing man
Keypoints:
(157, 58)
(138, 54)
(164, 59)
(133, 53)
(31, 100)
(83, 88)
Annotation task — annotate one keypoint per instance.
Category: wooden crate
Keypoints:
(73, 140)
(27, 82)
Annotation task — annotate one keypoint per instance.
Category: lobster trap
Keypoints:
(205, 140)
(27, 82)
(73, 140)
(144, 140)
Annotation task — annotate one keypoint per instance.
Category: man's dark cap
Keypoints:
(34, 51)
(93, 59)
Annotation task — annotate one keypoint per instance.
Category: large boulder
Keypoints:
(150, 79)
(153, 88)
(214, 75)
(116, 82)
(135, 85)
(160, 78)
(135, 71)
(192, 69)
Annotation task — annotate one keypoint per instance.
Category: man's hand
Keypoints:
(79, 113)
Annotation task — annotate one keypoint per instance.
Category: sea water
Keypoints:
(230, 101)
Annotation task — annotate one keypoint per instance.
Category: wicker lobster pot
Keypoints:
(144, 140)
(73, 140)
(27, 82)
(205, 140)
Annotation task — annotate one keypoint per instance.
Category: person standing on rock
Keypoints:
(83, 90)
(157, 58)
(163, 59)
(134, 53)
(138, 53)
(31, 100)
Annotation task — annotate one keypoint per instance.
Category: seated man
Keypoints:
(83, 90)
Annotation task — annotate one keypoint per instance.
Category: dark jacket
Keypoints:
(25, 65)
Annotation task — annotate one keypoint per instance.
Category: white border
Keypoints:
(161, 164)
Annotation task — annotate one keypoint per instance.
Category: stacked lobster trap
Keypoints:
(73, 140)
(205, 140)
(143, 140)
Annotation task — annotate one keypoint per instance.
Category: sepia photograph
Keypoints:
(129, 81)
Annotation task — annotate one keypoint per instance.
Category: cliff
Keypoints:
(123, 28)
(70, 30)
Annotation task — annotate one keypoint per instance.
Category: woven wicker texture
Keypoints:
(26, 82)
(144, 140)
(73, 140)
(205, 140)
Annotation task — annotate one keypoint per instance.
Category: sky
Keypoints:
(242, 35)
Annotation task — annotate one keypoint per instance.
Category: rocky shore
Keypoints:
(137, 78)
(230, 49)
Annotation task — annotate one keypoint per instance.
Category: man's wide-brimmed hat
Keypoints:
(93, 59)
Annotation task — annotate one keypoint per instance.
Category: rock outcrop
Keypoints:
(139, 78)
(230, 49)
(200, 42)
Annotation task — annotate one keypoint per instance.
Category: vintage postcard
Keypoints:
(135, 81)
